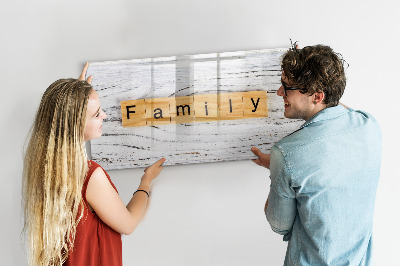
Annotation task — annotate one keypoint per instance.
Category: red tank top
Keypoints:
(95, 242)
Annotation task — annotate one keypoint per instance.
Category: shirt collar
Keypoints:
(326, 114)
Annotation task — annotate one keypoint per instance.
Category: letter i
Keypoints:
(206, 108)
(230, 105)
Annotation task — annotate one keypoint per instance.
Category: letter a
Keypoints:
(158, 114)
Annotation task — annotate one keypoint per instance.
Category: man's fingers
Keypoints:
(256, 151)
(257, 161)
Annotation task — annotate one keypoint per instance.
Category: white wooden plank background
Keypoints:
(198, 142)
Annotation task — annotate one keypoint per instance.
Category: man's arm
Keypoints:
(280, 213)
(281, 207)
(262, 160)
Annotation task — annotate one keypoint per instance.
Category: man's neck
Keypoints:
(318, 108)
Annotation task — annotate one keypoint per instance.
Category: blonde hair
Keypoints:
(55, 167)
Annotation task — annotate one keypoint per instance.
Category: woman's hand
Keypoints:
(83, 74)
(151, 172)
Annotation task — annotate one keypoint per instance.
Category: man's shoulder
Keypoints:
(365, 116)
(351, 122)
(292, 142)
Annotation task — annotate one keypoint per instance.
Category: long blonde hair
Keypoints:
(55, 167)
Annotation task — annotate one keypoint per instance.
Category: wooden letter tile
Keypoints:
(230, 106)
(255, 104)
(182, 110)
(133, 113)
(157, 111)
(206, 107)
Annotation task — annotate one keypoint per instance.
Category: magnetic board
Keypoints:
(225, 77)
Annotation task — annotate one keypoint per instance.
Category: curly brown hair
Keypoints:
(316, 69)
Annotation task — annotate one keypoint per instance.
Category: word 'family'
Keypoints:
(197, 108)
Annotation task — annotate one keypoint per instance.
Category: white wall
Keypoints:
(207, 214)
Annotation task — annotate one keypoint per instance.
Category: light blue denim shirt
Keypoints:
(324, 178)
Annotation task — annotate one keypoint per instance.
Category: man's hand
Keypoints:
(83, 74)
(263, 159)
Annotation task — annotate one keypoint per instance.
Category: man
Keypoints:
(324, 175)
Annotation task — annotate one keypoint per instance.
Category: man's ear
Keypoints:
(318, 97)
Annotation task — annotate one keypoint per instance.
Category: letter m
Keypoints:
(183, 109)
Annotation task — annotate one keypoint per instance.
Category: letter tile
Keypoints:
(255, 104)
(182, 110)
(206, 107)
(133, 113)
(157, 111)
(230, 106)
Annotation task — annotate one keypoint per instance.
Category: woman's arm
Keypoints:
(108, 205)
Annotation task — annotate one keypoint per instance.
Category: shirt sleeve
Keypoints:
(281, 210)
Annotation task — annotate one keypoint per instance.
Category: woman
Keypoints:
(73, 213)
